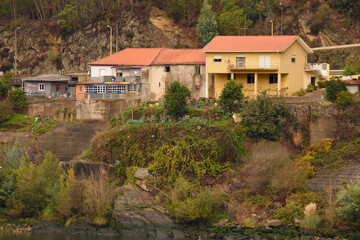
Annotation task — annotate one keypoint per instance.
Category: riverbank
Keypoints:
(80, 229)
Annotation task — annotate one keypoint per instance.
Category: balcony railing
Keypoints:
(116, 79)
(316, 66)
(253, 67)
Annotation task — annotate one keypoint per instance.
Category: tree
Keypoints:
(18, 98)
(230, 23)
(349, 204)
(333, 88)
(343, 98)
(68, 18)
(5, 84)
(175, 99)
(231, 93)
(264, 119)
(207, 25)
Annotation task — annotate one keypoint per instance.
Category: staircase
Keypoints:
(67, 140)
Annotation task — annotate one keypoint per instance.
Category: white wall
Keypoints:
(109, 71)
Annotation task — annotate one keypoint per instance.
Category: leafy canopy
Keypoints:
(175, 99)
(349, 204)
(231, 93)
(264, 119)
(18, 98)
(68, 18)
(207, 25)
(333, 88)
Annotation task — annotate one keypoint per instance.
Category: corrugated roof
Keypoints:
(48, 78)
(252, 44)
(180, 56)
(130, 56)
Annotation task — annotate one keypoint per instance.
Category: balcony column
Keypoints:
(255, 85)
(279, 84)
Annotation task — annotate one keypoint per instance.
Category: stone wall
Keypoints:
(77, 109)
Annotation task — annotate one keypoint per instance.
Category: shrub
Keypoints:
(322, 84)
(270, 165)
(18, 98)
(311, 219)
(310, 88)
(6, 110)
(5, 84)
(99, 200)
(301, 92)
(348, 203)
(175, 99)
(343, 98)
(264, 119)
(231, 93)
(333, 88)
(205, 206)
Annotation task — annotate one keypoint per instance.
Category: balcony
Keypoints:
(116, 79)
(320, 69)
(253, 67)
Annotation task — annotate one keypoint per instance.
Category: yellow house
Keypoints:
(277, 64)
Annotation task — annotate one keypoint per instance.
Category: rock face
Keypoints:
(134, 214)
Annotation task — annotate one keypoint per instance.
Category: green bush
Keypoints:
(231, 93)
(18, 98)
(333, 88)
(205, 206)
(6, 110)
(264, 119)
(343, 98)
(322, 84)
(5, 84)
(301, 92)
(175, 99)
(310, 88)
(348, 203)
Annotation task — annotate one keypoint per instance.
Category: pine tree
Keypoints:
(207, 25)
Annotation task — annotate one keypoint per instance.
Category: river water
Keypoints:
(57, 236)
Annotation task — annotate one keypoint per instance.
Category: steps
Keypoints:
(67, 140)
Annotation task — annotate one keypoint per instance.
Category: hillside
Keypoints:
(46, 44)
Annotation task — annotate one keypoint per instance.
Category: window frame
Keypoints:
(167, 68)
(293, 58)
(198, 69)
(217, 58)
(250, 78)
(132, 88)
(41, 87)
(273, 78)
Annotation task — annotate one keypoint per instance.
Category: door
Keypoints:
(313, 81)
(240, 62)
(264, 61)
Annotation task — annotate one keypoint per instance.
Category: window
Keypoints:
(273, 78)
(167, 68)
(116, 89)
(251, 78)
(101, 89)
(293, 58)
(80, 88)
(197, 69)
(240, 61)
(90, 89)
(101, 72)
(132, 88)
(217, 58)
(119, 74)
(264, 61)
(41, 86)
(229, 76)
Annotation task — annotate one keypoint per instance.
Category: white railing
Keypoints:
(254, 66)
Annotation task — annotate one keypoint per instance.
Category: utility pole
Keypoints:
(117, 36)
(282, 17)
(272, 27)
(110, 38)
(15, 43)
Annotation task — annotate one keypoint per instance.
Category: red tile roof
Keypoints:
(250, 43)
(152, 56)
(180, 56)
(130, 56)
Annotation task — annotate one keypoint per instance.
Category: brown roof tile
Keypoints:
(180, 56)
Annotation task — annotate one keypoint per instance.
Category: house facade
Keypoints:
(49, 86)
(275, 64)
(145, 74)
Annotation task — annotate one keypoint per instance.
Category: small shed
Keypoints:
(49, 86)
